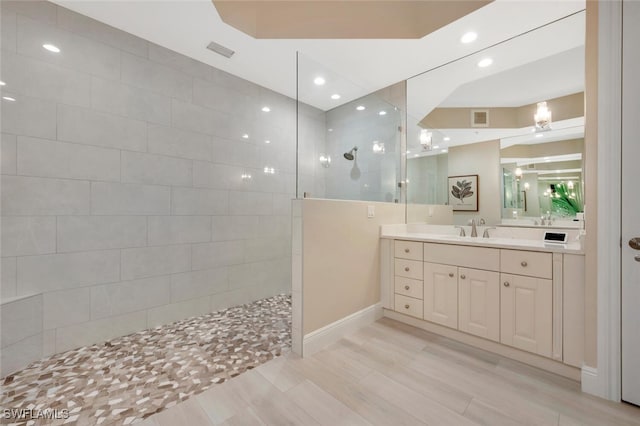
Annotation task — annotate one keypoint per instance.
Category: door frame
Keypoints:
(606, 380)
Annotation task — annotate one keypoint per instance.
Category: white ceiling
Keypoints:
(363, 66)
(551, 77)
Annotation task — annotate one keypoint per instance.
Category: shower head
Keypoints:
(351, 154)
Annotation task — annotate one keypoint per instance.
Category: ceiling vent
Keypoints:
(220, 49)
(479, 118)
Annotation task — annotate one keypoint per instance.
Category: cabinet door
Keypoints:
(526, 313)
(441, 294)
(479, 303)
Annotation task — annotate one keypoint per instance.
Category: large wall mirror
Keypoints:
(499, 134)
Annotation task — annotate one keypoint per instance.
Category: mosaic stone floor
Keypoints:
(129, 378)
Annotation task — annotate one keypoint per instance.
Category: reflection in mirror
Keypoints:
(349, 146)
(518, 124)
(543, 180)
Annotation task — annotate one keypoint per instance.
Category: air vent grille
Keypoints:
(220, 49)
(479, 118)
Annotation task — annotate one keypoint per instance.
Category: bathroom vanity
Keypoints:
(512, 294)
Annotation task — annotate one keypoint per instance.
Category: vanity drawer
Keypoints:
(484, 258)
(408, 306)
(530, 263)
(408, 268)
(409, 287)
(411, 250)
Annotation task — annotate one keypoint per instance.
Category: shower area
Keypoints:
(358, 139)
(147, 212)
(146, 220)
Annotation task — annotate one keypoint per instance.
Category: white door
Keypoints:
(631, 203)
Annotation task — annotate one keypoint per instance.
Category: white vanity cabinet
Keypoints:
(441, 294)
(407, 280)
(479, 303)
(526, 313)
(494, 297)
(526, 300)
(451, 274)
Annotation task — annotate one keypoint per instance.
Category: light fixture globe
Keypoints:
(542, 117)
(426, 140)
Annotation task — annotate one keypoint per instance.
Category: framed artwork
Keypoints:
(463, 193)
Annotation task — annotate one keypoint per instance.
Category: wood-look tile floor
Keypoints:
(392, 374)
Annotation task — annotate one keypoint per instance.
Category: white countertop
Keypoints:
(393, 232)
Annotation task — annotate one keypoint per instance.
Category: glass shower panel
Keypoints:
(349, 145)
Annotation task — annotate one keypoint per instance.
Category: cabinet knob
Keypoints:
(463, 276)
(506, 284)
(406, 306)
(406, 250)
(451, 274)
(406, 287)
(406, 268)
(523, 263)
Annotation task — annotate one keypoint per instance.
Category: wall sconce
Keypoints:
(378, 147)
(426, 139)
(325, 160)
(542, 117)
(518, 173)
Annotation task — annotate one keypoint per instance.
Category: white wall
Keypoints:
(341, 258)
(482, 159)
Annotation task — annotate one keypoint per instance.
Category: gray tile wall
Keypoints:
(123, 202)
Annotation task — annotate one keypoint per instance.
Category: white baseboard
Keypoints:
(589, 381)
(318, 339)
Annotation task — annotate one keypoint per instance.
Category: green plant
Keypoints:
(566, 201)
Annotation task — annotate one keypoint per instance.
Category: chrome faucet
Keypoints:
(474, 230)
(462, 234)
(486, 232)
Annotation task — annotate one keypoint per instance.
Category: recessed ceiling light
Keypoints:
(446, 139)
(9, 98)
(319, 81)
(266, 109)
(2, 83)
(245, 136)
(267, 141)
(331, 130)
(382, 113)
(335, 96)
(444, 150)
(546, 158)
(51, 48)
(360, 108)
(546, 161)
(539, 135)
(485, 62)
(469, 37)
(436, 147)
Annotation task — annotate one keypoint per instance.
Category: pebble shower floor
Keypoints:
(129, 378)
